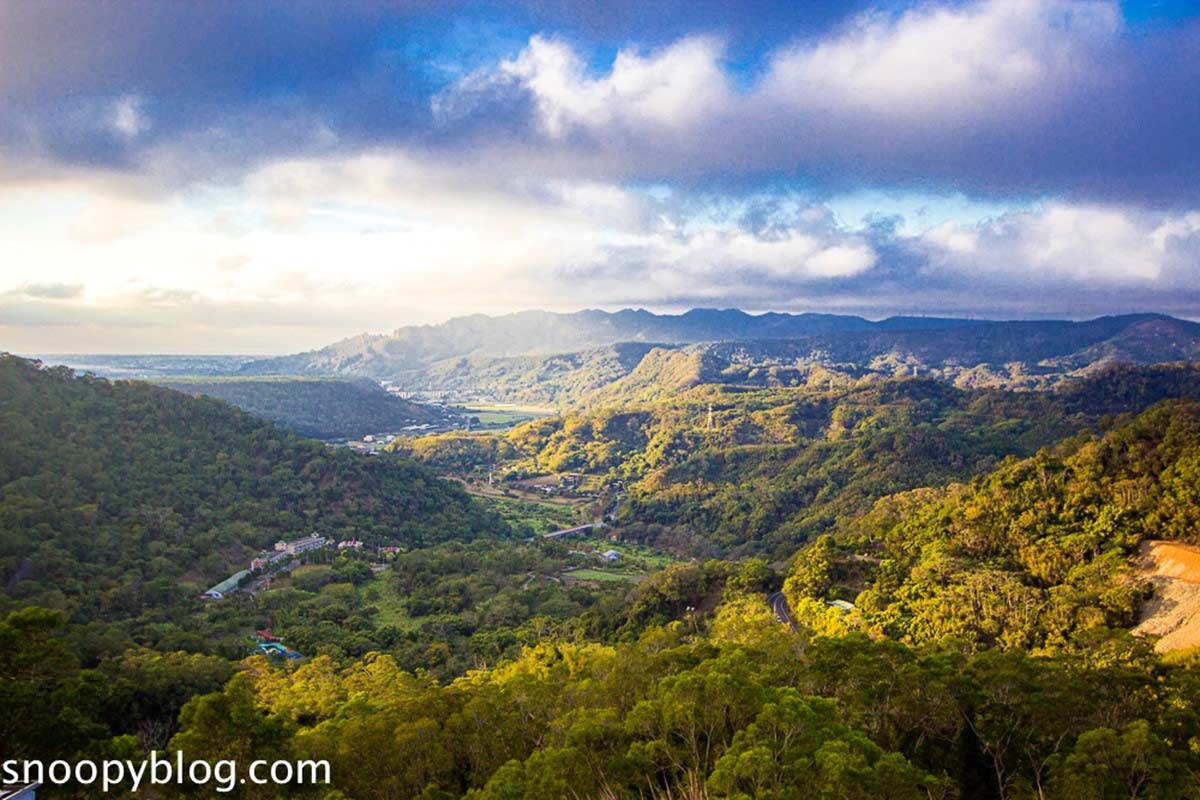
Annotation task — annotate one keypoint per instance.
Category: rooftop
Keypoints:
(227, 585)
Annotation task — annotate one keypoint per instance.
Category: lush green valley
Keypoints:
(599, 400)
(764, 470)
(958, 570)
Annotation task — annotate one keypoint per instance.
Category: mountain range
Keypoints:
(590, 356)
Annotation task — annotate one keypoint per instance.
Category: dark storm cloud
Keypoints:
(212, 89)
(1011, 98)
(260, 69)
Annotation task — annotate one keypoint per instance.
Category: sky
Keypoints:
(268, 177)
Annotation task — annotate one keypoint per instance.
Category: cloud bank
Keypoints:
(268, 177)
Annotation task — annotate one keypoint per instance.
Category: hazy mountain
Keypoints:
(538, 357)
(543, 332)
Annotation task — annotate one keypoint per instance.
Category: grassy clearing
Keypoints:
(541, 517)
(640, 555)
(505, 415)
(380, 594)
(600, 575)
(502, 492)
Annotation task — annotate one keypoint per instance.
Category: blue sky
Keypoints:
(266, 177)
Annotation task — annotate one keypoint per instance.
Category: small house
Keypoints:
(610, 556)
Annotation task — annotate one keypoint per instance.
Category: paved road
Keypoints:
(779, 607)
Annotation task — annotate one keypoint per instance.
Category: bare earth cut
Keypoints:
(1173, 613)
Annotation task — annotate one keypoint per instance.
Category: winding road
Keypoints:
(779, 607)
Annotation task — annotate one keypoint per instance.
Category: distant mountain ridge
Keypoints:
(543, 332)
(593, 356)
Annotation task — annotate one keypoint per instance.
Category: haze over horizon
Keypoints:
(249, 352)
(271, 178)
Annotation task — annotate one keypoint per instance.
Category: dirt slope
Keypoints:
(1173, 613)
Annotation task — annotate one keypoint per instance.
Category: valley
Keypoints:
(526, 400)
(690, 539)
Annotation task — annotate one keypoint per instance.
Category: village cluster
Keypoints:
(281, 557)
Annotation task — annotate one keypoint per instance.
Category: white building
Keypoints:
(297, 546)
(219, 591)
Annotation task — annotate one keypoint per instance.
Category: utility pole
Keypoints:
(710, 417)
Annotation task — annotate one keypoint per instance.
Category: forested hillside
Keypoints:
(958, 564)
(119, 500)
(568, 378)
(1034, 555)
(323, 409)
(749, 711)
(766, 470)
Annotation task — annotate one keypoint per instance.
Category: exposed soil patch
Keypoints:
(1173, 613)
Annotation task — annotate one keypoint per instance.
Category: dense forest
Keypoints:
(959, 568)
(322, 409)
(123, 501)
(1034, 556)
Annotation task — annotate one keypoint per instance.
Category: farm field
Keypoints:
(537, 516)
(601, 575)
(505, 415)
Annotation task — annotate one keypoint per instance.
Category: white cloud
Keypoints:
(1092, 245)
(127, 117)
(935, 64)
(375, 241)
(669, 88)
(983, 94)
(723, 255)
(663, 90)
(395, 230)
